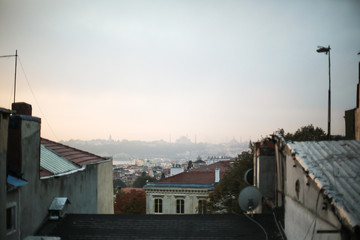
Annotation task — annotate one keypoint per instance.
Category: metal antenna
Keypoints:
(5, 56)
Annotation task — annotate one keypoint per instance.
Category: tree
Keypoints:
(305, 133)
(142, 180)
(224, 198)
(117, 183)
(130, 202)
(190, 165)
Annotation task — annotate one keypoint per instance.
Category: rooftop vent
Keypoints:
(58, 208)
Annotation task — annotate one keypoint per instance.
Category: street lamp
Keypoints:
(326, 50)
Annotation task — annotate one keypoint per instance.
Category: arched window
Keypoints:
(297, 188)
(158, 205)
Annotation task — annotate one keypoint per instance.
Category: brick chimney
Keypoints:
(22, 108)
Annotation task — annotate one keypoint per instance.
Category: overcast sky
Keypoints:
(151, 70)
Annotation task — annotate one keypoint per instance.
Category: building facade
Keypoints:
(316, 183)
(184, 193)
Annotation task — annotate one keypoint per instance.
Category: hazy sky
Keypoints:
(151, 70)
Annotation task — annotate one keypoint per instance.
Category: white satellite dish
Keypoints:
(249, 198)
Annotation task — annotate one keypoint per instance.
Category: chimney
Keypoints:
(23, 155)
(22, 108)
(217, 175)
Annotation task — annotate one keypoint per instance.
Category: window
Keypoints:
(297, 188)
(158, 205)
(202, 207)
(179, 206)
(11, 219)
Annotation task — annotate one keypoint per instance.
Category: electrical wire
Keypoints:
(36, 101)
(277, 224)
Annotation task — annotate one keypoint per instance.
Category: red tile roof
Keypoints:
(44, 172)
(202, 175)
(74, 155)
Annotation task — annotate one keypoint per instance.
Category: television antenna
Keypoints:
(16, 56)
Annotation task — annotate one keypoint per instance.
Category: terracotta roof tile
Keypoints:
(202, 175)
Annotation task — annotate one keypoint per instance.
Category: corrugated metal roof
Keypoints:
(335, 167)
(54, 163)
(74, 155)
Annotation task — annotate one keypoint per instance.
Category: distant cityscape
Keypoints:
(178, 152)
(157, 159)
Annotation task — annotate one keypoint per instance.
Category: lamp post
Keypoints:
(326, 50)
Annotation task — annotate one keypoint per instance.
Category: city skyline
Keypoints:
(159, 70)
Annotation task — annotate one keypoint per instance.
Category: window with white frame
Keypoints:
(180, 203)
(158, 205)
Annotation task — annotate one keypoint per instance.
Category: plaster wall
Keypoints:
(80, 188)
(305, 204)
(105, 190)
(191, 197)
(30, 165)
(4, 125)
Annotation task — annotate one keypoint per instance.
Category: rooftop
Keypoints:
(82, 226)
(202, 175)
(335, 167)
(57, 158)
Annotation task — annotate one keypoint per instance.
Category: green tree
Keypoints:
(117, 183)
(190, 165)
(305, 133)
(224, 198)
(142, 180)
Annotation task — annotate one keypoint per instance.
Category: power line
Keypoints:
(36, 101)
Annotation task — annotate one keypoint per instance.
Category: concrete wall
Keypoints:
(105, 204)
(4, 124)
(302, 207)
(191, 197)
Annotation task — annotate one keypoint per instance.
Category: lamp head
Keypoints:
(322, 49)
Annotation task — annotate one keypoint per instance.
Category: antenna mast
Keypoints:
(16, 56)
(15, 74)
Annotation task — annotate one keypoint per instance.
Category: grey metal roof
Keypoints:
(335, 167)
(54, 163)
(59, 203)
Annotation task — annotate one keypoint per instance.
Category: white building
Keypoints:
(184, 193)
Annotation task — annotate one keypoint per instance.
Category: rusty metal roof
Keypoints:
(335, 168)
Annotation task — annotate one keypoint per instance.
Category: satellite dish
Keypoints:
(249, 198)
